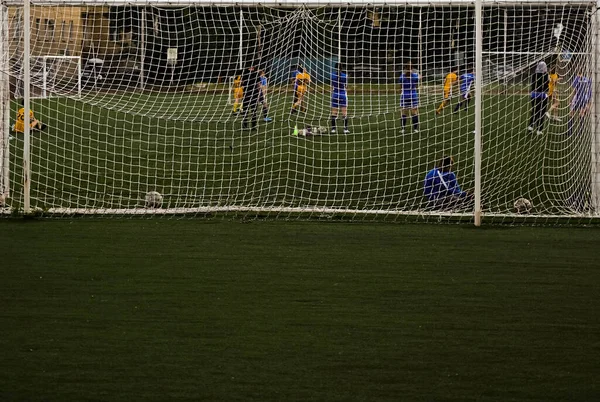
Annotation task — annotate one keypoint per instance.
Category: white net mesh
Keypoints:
(155, 107)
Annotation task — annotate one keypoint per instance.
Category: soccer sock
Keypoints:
(403, 121)
(346, 122)
(441, 107)
(415, 120)
(265, 112)
(333, 118)
(458, 105)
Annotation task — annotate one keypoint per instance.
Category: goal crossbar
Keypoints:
(306, 3)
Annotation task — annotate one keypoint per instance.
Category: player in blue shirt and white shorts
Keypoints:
(466, 83)
(409, 99)
(262, 96)
(339, 97)
(582, 98)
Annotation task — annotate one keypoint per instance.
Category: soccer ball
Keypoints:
(523, 206)
(153, 199)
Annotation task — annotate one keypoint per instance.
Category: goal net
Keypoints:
(146, 102)
(52, 76)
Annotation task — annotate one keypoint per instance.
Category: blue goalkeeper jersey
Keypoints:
(339, 82)
(583, 88)
(409, 84)
(440, 184)
(466, 82)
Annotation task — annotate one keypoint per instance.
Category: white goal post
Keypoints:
(52, 76)
(165, 124)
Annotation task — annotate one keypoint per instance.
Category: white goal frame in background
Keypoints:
(44, 78)
(479, 5)
(50, 90)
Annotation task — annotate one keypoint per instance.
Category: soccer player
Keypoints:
(251, 85)
(238, 94)
(34, 123)
(539, 98)
(580, 104)
(466, 82)
(449, 82)
(302, 79)
(442, 189)
(295, 82)
(553, 96)
(339, 97)
(262, 99)
(409, 99)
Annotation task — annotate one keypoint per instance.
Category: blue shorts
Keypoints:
(339, 100)
(409, 101)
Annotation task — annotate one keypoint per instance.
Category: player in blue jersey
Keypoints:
(581, 101)
(262, 96)
(409, 99)
(442, 190)
(466, 83)
(339, 97)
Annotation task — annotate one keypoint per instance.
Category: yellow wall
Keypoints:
(70, 31)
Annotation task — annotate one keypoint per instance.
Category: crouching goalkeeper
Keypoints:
(442, 189)
(34, 123)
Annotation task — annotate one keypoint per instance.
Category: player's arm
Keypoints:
(453, 186)
(428, 185)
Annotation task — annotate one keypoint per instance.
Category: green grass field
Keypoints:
(108, 150)
(138, 309)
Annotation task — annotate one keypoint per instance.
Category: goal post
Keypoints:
(4, 109)
(165, 125)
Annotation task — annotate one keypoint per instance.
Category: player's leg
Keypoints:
(296, 100)
(334, 114)
(444, 102)
(253, 114)
(246, 112)
(459, 104)
(415, 115)
(265, 108)
(543, 106)
(37, 125)
(531, 126)
(345, 114)
(404, 105)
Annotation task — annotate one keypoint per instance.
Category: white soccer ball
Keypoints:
(523, 206)
(153, 199)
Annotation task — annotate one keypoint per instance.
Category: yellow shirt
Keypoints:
(552, 84)
(20, 123)
(302, 78)
(237, 82)
(451, 78)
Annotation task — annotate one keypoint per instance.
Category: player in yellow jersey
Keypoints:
(450, 82)
(303, 79)
(33, 122)
(238, 94)
(553, 96)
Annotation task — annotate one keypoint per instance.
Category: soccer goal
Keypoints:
(395, 111)
(52, 76)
